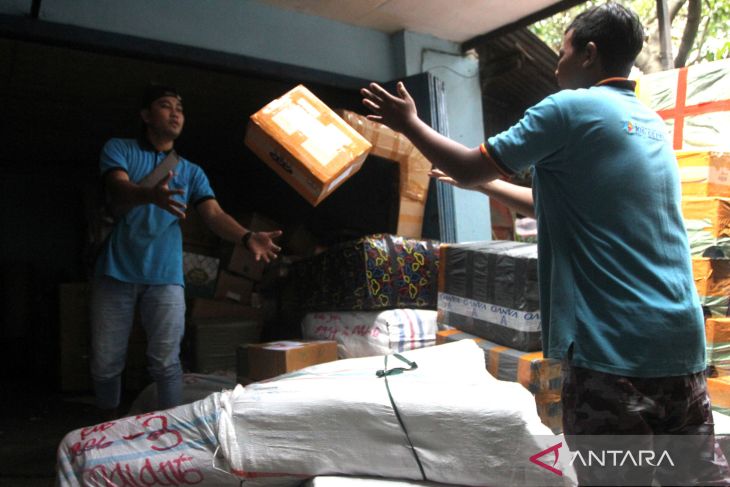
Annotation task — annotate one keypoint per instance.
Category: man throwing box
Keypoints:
(617, 297)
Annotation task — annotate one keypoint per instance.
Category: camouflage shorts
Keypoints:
(597, 403)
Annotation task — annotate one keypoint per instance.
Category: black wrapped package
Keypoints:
(490, 289)
(375, 272)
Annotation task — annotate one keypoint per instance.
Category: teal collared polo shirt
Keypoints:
(616, 287)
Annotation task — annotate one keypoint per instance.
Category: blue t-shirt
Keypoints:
(145, 246)
(615, 272)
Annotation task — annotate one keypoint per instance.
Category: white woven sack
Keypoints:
(368, 333)
(172, 447)
(463, 426)
(366, 482)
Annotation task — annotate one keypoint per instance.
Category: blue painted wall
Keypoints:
(420, 53)
(239, 27)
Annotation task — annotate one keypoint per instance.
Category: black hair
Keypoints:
(615, 30)
(154, 92)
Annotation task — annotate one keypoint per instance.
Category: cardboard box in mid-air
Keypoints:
(307, 144)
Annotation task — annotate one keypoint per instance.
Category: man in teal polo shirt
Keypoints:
(140, 264)
(618, 302)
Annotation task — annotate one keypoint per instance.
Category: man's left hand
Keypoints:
(262, 245)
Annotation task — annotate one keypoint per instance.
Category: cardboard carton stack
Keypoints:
(695, 103)
(230, 310)
(705, 179)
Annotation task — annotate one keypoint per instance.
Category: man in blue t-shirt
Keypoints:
(618, 302)
(140, 265)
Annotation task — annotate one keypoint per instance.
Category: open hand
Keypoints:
(397, 112)
(262, 245)
(163, 197)
(439, 175)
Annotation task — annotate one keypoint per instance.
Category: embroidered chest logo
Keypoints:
(633, 128)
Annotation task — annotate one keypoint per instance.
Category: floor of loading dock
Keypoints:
(32, 424)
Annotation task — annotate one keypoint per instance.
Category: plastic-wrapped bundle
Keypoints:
(367, 333)
(490, 289)
(379, 271)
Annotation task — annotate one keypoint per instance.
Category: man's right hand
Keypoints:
(396, 111)
(163, 197)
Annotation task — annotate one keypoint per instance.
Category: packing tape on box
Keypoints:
(550, 410)
(527, 321)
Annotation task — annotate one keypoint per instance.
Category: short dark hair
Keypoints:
(616, 31)
(154, 92)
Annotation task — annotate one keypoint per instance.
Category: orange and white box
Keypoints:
(306, 143)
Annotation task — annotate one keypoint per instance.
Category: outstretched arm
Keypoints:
(261, 244)
(125, 194)
(398, 112)
(517, 198)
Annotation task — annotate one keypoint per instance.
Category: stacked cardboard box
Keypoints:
(200, 273)
(719, 389)
(267, 360)
(705, 178)
(223, 310)
(490, 289)
(215, 328)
